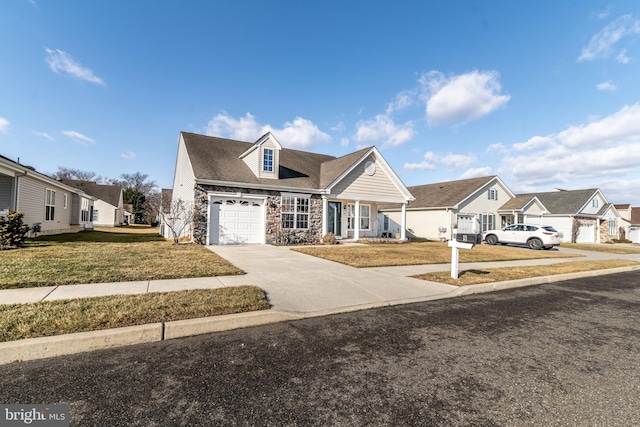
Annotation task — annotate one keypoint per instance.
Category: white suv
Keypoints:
(534, 236)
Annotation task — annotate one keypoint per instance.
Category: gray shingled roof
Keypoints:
(445, 194)
(217, 159)
(106, 193)
(517, 203)
(635, 216)
(564, 202)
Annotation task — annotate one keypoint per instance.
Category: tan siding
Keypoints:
(481, 203)
(106, 214)
(31, 198)
(424, 224)
(276, 157)
(253, 161)
(359, 185)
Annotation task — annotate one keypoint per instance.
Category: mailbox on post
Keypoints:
(473, 238)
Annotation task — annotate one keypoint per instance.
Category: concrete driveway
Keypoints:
(299, 282)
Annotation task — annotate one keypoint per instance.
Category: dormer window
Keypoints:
(267, 160)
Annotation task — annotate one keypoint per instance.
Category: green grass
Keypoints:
(381, 255)
(106, 256)
(487, 275)
(41, 319)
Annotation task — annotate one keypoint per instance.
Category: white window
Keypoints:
(595, 203)
(64, 201)
(492, 194)
(612, 227)
(487, 222)
(50, 205)
(267, 160)
(365, 217)
(294, 212)
(95, 215)
(85, 210)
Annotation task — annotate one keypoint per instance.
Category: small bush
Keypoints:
(329, 239)
(13, 231)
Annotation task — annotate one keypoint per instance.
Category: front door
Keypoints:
(334, 217)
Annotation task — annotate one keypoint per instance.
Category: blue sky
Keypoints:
(545, 94)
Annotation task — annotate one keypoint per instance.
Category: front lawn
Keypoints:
(47, 318)
(604, 247)
(106, 256)
(381, 255)
(486, 275)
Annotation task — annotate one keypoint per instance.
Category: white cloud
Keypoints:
(476, 172)
(344, 142)
(622, 57)
(404, 99)
(462, 98)
(457, 161)
(129, 155)
(300, 133)
(608, 85)
(338, 128)
(4, 125)
(427, 164)
(384, 129)
(498, 147)
(606, 147)
(44, 135)
(601, 44)
(61, 62)
(603, 14)
(78, 137)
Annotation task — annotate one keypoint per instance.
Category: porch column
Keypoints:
(356, 220)
(325, 216)
(403, 227)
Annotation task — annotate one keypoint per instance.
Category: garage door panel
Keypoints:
(240, 221)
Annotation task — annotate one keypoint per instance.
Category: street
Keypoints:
(566, 353)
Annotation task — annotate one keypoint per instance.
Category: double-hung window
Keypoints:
(294, 212)
(50, 205)
(492, 194)
(487, 222)
(365, 217)
(85, 210)
(267, 160)
(612, 227)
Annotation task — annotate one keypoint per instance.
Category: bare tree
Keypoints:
(137, 181)
(75, 174)
(177, 216)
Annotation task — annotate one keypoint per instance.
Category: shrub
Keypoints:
(13, 231)
(329, 239)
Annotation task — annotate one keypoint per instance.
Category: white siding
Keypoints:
(253, 161)
(590, 208)
(480, 202)
(424, 224)
(563, 224)
(359, 185)
(184, 180)
(106, 214)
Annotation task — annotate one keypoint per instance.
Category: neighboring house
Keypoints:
(164, 210)
(625, 219)
(49, 206)
(108, 207)
(583, 216)
(263, 193)
(524, 208)
(127, 213)
(440, 208)
(634, 227)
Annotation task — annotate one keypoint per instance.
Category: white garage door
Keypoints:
(634, 235)
(586, 234)
(235, 221)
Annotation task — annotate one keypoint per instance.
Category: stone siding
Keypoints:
(274, 232)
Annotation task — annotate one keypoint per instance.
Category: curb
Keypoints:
(60, 345)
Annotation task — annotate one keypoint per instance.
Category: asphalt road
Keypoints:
(560, 354)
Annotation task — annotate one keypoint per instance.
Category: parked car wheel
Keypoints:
(534, 244)
(491, 239)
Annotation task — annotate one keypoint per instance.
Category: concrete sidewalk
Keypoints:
(295, 282)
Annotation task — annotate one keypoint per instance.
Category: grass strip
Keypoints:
(603, 247)
(49, 318)
(487, 275)
(102, 257)
(384, 255)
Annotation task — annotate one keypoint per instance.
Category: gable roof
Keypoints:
(107, 193)
(520, 202)
(446, 194)
(565, 202)
(219, 159)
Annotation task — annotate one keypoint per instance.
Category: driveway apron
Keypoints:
(299, 282)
